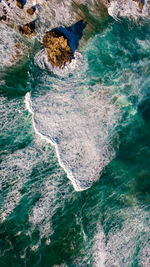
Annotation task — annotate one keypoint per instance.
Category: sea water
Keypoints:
(75, 149)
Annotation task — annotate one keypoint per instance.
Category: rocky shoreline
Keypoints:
(29, 21)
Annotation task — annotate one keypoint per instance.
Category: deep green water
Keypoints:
(43, 220)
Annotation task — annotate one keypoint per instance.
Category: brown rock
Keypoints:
(19, 4)
(107, 3)
(140, 4)
(58, 49)
(28, 28)
(31, 10)
(3, 17)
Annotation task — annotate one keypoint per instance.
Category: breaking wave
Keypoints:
(41, 60)
(79, 115)
(78, 120)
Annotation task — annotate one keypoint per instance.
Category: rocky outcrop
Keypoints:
(28, 28)
(31, 10)
(140, 3)
(61, 43)
(3, 18)
(58, 49)
(21, 3)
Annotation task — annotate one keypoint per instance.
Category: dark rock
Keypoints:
(140, 3)
(31, 10)
(3, 18)
(21, 3)
(28, 28)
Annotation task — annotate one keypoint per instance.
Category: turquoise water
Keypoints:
(96, 115)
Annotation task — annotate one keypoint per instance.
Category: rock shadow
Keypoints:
(72, 33)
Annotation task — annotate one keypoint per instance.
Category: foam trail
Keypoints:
(79, 117)
(81, 145)
(69, 175)
(99, 250)
(78, 120)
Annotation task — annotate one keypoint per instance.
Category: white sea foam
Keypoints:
(122, 243)
(99, 249)
(78, 119)
(49, 14)
(17, 163)
(14, 166)
(16, 173)
(42, 61)
(42, 212)
(29, 107)
(78, 122)
(128, 8)
(11, 46)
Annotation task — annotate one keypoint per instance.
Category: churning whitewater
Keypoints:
(79, 122)
(74, 139)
